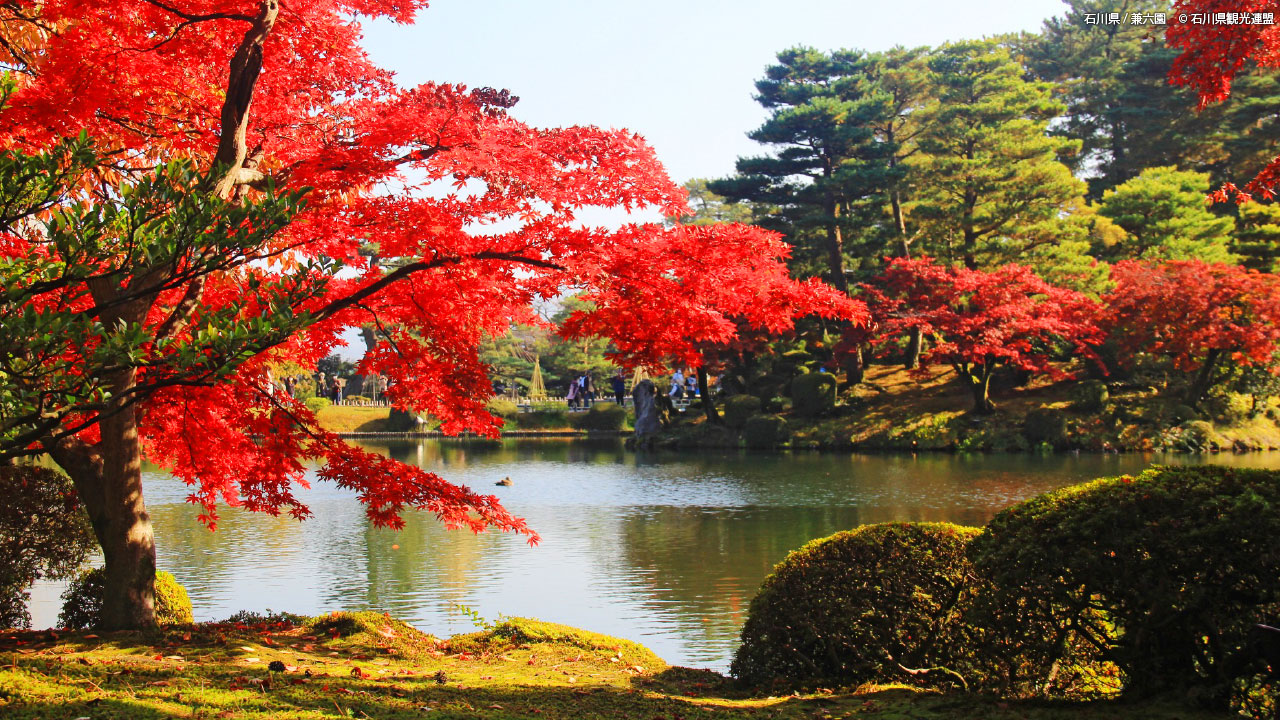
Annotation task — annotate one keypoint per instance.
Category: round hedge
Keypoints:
(44, 533)
(1166, 574)
(82, 601)
(740, 408)
(813, 394)
(881, 602)
(765, 431)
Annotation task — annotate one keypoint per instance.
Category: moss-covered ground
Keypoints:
(366, 665)
(894, 409)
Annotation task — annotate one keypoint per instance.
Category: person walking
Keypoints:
(571, 396)
(677, 386)
(619, 387)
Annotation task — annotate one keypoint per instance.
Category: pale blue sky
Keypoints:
(679, 73)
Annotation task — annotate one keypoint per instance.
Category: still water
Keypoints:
(663, 548)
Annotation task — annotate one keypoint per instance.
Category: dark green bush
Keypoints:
(401, 421)
(268, 617)
(739, 408)
(813, 394)
(545, 417)
(82, 601)
(44, 533)
(602, 417)
(764, 431)
(1165, 574)
(879, 603)
(1045, 426)
(1090, 396)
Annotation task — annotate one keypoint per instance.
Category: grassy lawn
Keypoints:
(353, 418)
(366, 665)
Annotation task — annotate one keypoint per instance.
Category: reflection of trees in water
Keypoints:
(703, 565)
(223, 571)
(430, 566)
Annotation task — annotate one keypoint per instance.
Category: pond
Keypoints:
(666, 549)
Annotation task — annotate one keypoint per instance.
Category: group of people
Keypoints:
(334, 387)
(683, 386)
(582, 392)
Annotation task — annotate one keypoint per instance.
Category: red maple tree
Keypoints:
(241, 154)
(1213, 53)
(978, 321)
(1197, 314)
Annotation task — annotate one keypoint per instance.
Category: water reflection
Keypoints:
(663, 548)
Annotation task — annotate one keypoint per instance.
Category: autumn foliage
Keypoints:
(245, 185)
(977, 321)
(1213, 54)
(1197, 314)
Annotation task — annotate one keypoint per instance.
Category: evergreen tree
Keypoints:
(1257, 236)
(989, 179)
(1164, 215)
(819, 121)
(1113, 80)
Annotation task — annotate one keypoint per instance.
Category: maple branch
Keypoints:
(189, 18)
(406, 270)
(181, 314)
(246, 66)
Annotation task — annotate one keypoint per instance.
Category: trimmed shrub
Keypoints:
(316, 404)
(1166, 574)
(44, 533)
(401, 421)
(813, 394)
(879, 603)
(82, 601)
(545, 417)
(1090, 396)
(602, 417)
(739, 408)
(1045, 426)
(765, 431)
(502, 407)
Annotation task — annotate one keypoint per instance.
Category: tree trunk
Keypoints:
(1204, 379)
(855, 367)
(708, 402)
(980, 384)
(108, 479)
(127, 545)
(915, 344)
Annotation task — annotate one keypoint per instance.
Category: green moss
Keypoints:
(214, 671)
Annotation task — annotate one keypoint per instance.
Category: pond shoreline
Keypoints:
(675, 444)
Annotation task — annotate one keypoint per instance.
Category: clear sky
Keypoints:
(679, 73)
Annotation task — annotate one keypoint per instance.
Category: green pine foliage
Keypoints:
(1164, 215)
(989, 176)
(1257, 236)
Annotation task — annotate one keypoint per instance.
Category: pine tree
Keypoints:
(1119, 104)
(818, 122)
(986, 172)
(1164, 217)
(1257, 236)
